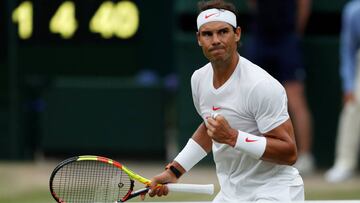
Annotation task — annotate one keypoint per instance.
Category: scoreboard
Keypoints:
(42, 40)
(90, 37)
(120, 19)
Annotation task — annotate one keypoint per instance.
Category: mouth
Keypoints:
(216, 49)
(216, 52)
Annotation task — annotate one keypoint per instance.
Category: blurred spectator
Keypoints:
(147, 77)
(171, 82)
(274, 45)
(348, 138)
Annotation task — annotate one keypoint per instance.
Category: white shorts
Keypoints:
(279, 193)
(282, 194)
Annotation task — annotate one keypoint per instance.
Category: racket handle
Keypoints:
(191, 188)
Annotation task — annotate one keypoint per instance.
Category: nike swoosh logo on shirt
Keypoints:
(215, 108)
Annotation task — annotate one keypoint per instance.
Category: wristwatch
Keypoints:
(174, 170)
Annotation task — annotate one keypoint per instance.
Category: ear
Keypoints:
(237, 34)
(198, 38)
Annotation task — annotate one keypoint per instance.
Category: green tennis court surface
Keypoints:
(28, 182)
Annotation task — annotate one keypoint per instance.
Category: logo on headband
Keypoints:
(209, 15)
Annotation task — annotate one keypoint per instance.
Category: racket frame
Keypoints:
(133, 176)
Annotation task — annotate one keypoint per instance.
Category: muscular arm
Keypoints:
(281, 145)
(201, 137)
(280, 142)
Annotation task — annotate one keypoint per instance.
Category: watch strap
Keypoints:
(174, 170)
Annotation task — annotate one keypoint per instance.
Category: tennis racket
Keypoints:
(90, 179)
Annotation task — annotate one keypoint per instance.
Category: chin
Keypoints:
(218, 58)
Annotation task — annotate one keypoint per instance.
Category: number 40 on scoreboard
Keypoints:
(110, 20)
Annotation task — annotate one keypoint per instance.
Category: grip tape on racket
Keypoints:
(191, 188)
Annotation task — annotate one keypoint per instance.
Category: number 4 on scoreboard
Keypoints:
(64, 21)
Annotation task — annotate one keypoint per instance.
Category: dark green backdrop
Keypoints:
(81, 95)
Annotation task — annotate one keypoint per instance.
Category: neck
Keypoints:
(224, 69)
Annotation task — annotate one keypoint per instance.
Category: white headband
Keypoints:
(215, 14)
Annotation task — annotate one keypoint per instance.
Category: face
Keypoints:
(218, 40)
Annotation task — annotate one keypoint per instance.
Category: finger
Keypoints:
(214, 115)
(142, 196)
(210, 133)
(152, 187)
(211, 124)
(208, 122)
(211, 129)
(166, 191)
(153, 184)
(154, 191)
(160, 191)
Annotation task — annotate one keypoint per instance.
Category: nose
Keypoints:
(215, 39)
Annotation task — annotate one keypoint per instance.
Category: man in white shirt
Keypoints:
(246, 123)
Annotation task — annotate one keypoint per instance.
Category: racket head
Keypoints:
(86, 179)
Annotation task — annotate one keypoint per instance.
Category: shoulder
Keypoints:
(198, 76)
(268, 87)
(201, 72)
(258, 85)
(252, 74)
(261, 83)
(268, 97)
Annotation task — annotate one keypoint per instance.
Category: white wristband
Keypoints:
(190, 155)
(251, 144)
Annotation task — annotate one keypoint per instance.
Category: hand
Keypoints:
(158, 184)
(219, 130)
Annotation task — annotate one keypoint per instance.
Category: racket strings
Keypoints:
(90, 181)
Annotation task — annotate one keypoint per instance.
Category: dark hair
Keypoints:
(219, 4)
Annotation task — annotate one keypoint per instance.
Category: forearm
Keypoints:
(281, 145)
(280, 152)
(200, 136)
(276, 146)
(196, 149)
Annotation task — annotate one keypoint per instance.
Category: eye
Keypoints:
(223, 31)
(206, 34)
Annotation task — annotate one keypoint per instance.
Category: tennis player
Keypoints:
(246, 122)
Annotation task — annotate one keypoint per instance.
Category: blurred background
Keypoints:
(75, 81)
